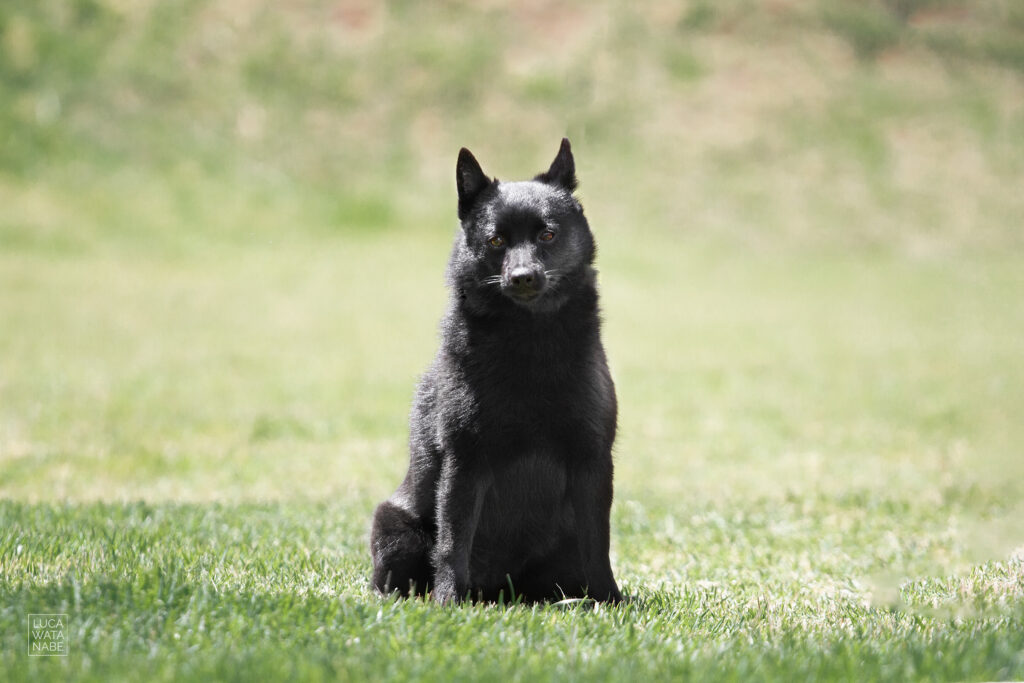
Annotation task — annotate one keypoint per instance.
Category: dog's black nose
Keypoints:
(522, 278)
(525, 280)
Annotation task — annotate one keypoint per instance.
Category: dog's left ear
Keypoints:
(563, 169)
(470, 181)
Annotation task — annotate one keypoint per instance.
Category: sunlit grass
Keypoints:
(173, 592)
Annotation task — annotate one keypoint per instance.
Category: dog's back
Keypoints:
(510, 480)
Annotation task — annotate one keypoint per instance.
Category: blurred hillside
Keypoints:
(167, 127)
(223, 227)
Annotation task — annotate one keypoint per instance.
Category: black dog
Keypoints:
(509, 485)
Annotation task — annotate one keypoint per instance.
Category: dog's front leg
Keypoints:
(460, 495)
(591, 495)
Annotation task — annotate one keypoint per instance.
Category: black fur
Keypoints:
(509, 485)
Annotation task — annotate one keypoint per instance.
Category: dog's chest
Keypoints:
(529, 403)
(527, 502)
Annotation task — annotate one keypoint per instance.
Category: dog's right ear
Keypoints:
(562, 172)
(470, 181)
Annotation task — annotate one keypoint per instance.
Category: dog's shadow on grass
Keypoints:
(565, 604)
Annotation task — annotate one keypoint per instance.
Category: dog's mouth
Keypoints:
(522, 296)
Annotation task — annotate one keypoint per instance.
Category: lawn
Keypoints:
(817, 474)
(221, 270)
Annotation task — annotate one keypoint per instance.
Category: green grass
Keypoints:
(818, 470)
(172, 592)
(222, 245)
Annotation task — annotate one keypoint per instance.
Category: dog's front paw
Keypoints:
(451, 582)
(606, 594)
(445, 593)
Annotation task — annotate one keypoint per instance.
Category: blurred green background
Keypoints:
(224, 227)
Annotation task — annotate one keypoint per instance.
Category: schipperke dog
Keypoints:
(509, 485)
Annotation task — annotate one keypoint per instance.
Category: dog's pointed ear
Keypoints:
(470, 181)
(562, 172)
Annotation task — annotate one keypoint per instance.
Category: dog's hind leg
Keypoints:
(401, 551)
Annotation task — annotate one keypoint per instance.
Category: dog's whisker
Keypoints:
(554, 277)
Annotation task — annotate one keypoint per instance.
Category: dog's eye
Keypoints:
(497, 241)
(546, 236)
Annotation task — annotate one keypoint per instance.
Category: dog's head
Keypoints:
(527, 240)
